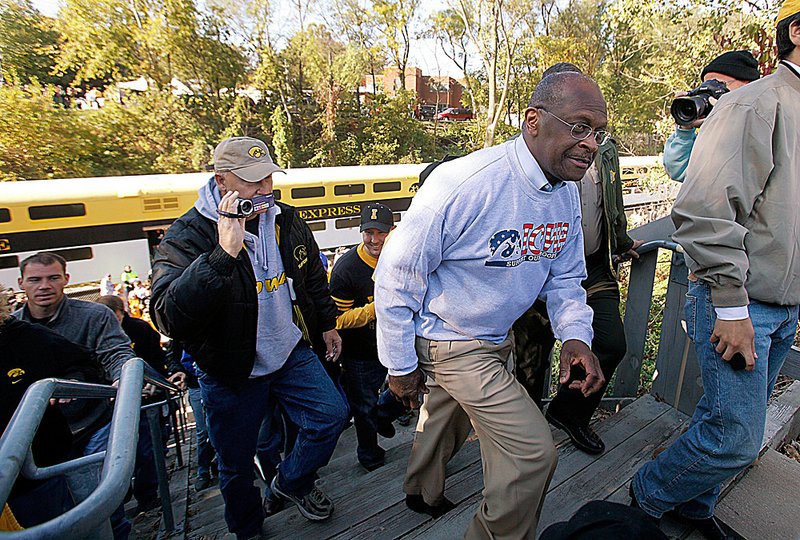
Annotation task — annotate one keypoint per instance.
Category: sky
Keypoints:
(46, 7)
(425, 54)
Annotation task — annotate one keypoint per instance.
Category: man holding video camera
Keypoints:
(725, 73)
(238, 280)
(736, 217)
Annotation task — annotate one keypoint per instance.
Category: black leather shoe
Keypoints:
(418, 504)
(582, 437)
(372, 466)
(711, 528)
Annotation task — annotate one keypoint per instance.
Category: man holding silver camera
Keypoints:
(733, 69)
(248, 297)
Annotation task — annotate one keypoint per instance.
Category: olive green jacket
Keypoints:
(616, 224)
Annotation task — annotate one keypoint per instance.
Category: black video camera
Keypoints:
(697, 103)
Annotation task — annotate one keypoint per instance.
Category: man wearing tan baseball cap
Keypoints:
(245, 157)
(246, 295)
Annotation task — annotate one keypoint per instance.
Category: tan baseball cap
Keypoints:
(246, 157)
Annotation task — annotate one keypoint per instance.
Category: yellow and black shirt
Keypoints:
(352, 290)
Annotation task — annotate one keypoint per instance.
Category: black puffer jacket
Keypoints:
(207, 300)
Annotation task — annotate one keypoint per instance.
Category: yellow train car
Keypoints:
(102, 224)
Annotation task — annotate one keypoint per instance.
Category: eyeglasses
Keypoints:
(580, 131)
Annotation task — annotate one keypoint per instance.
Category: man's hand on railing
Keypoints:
(148, 390)
(178, 379)
(579, 368)
(62, 401)
(628, 255)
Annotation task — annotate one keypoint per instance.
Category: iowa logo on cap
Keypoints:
(256, 152)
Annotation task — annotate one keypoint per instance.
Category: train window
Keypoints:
(9, 261)
(5, 215)
(52, 211)
(349, 189)
(396, 217)
(75, 254)
(316, 226)
(277, 194)
(348, 223)
(382, 187)
(307, 192)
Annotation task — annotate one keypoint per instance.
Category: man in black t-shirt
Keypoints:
(352, 290)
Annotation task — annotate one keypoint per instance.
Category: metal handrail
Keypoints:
(659, 244)
(118, 460)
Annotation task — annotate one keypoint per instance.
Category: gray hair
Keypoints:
(550, 92)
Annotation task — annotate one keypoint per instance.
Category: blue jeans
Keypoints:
(145, 481)
(98, 442)
(727, 428)
(205, 452)
(235, 414)
(275, 438)
(362, 383)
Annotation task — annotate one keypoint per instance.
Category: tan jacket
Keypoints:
(738, 213)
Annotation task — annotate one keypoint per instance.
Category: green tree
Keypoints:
(390, 135)
(395, 18)
(282, 139)
(361, 29)
(495, 29)
(38, 140)
(159, 39)
(152, 133)
(448, 29)
(28, 43)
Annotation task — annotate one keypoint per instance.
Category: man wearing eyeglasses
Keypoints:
(605, 244)
(486, 235)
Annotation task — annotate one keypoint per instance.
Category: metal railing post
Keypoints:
(153, 416)
(89, 518)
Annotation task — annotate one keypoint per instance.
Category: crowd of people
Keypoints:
(78, 98)
(456, 309)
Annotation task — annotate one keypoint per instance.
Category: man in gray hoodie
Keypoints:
(246, 294)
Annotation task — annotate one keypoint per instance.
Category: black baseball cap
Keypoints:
(377, 216)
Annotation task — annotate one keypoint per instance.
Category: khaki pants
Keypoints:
(472, 385)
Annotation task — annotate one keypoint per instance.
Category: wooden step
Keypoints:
(763, 504)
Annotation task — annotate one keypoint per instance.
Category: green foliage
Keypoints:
(39, 140)
(282, 139)
(159, 39)
(28, 43)
(311, 108)
(395, 18)
(151, 133)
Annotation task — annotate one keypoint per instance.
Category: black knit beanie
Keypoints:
(737, 64)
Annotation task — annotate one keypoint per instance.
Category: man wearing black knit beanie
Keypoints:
(735, 69)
